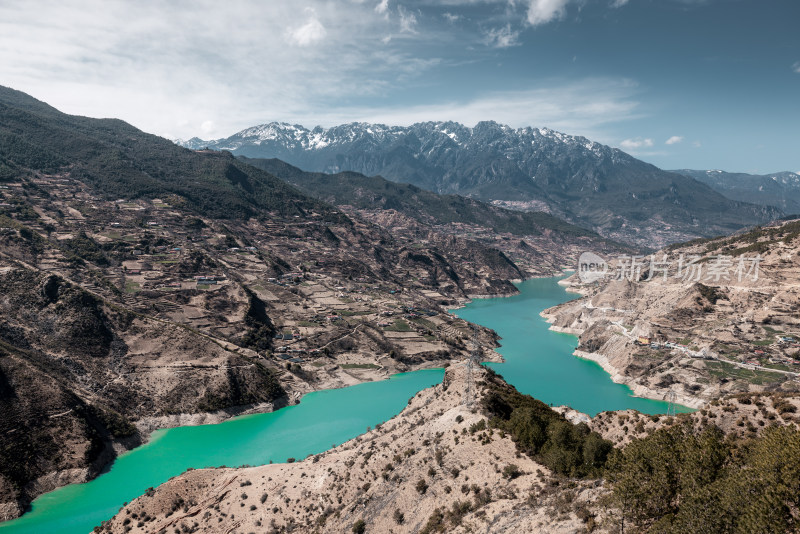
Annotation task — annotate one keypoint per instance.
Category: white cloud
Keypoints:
(618, 3)
(697, 144)
(633, 144)
(544, 11)
(451, 17)
(408, 20)
(674, 140)
(580, 108)
(310, 32)
(503, 37)
(382, 7)
(169, 69)
(207, 127)
(796, 67)
(179, 72)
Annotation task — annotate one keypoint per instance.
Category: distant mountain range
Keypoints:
(532, 169)
(781, 189)
(376, 193)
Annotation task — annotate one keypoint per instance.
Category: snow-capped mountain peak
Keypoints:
(575, 177)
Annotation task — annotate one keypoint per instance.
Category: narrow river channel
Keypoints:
(539, 361)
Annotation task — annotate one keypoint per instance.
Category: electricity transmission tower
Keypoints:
(473, 361)
(671, 401)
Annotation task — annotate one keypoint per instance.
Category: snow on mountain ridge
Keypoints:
(295, 136)
(423, 141)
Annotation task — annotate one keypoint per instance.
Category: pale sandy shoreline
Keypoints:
(637, 389)
(147, 425)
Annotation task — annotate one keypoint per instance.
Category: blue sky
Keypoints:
(678, 83)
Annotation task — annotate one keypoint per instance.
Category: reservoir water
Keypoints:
(322, 419)
(538, 362)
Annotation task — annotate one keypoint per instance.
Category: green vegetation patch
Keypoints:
(399, 326)
(772, 330)
(260, 327)
(711, 294)
(778, 366)
(83, 247)
(758, 377)
(680, 479)
(424, 322)
(131, 286)
(760, 239)
(543, 434)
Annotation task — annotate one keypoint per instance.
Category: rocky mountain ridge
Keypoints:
(501, 464)
(538, 243)
(585, 182)
(780, 189)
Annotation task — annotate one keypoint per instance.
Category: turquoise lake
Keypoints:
(539, 362)
(322, 419)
